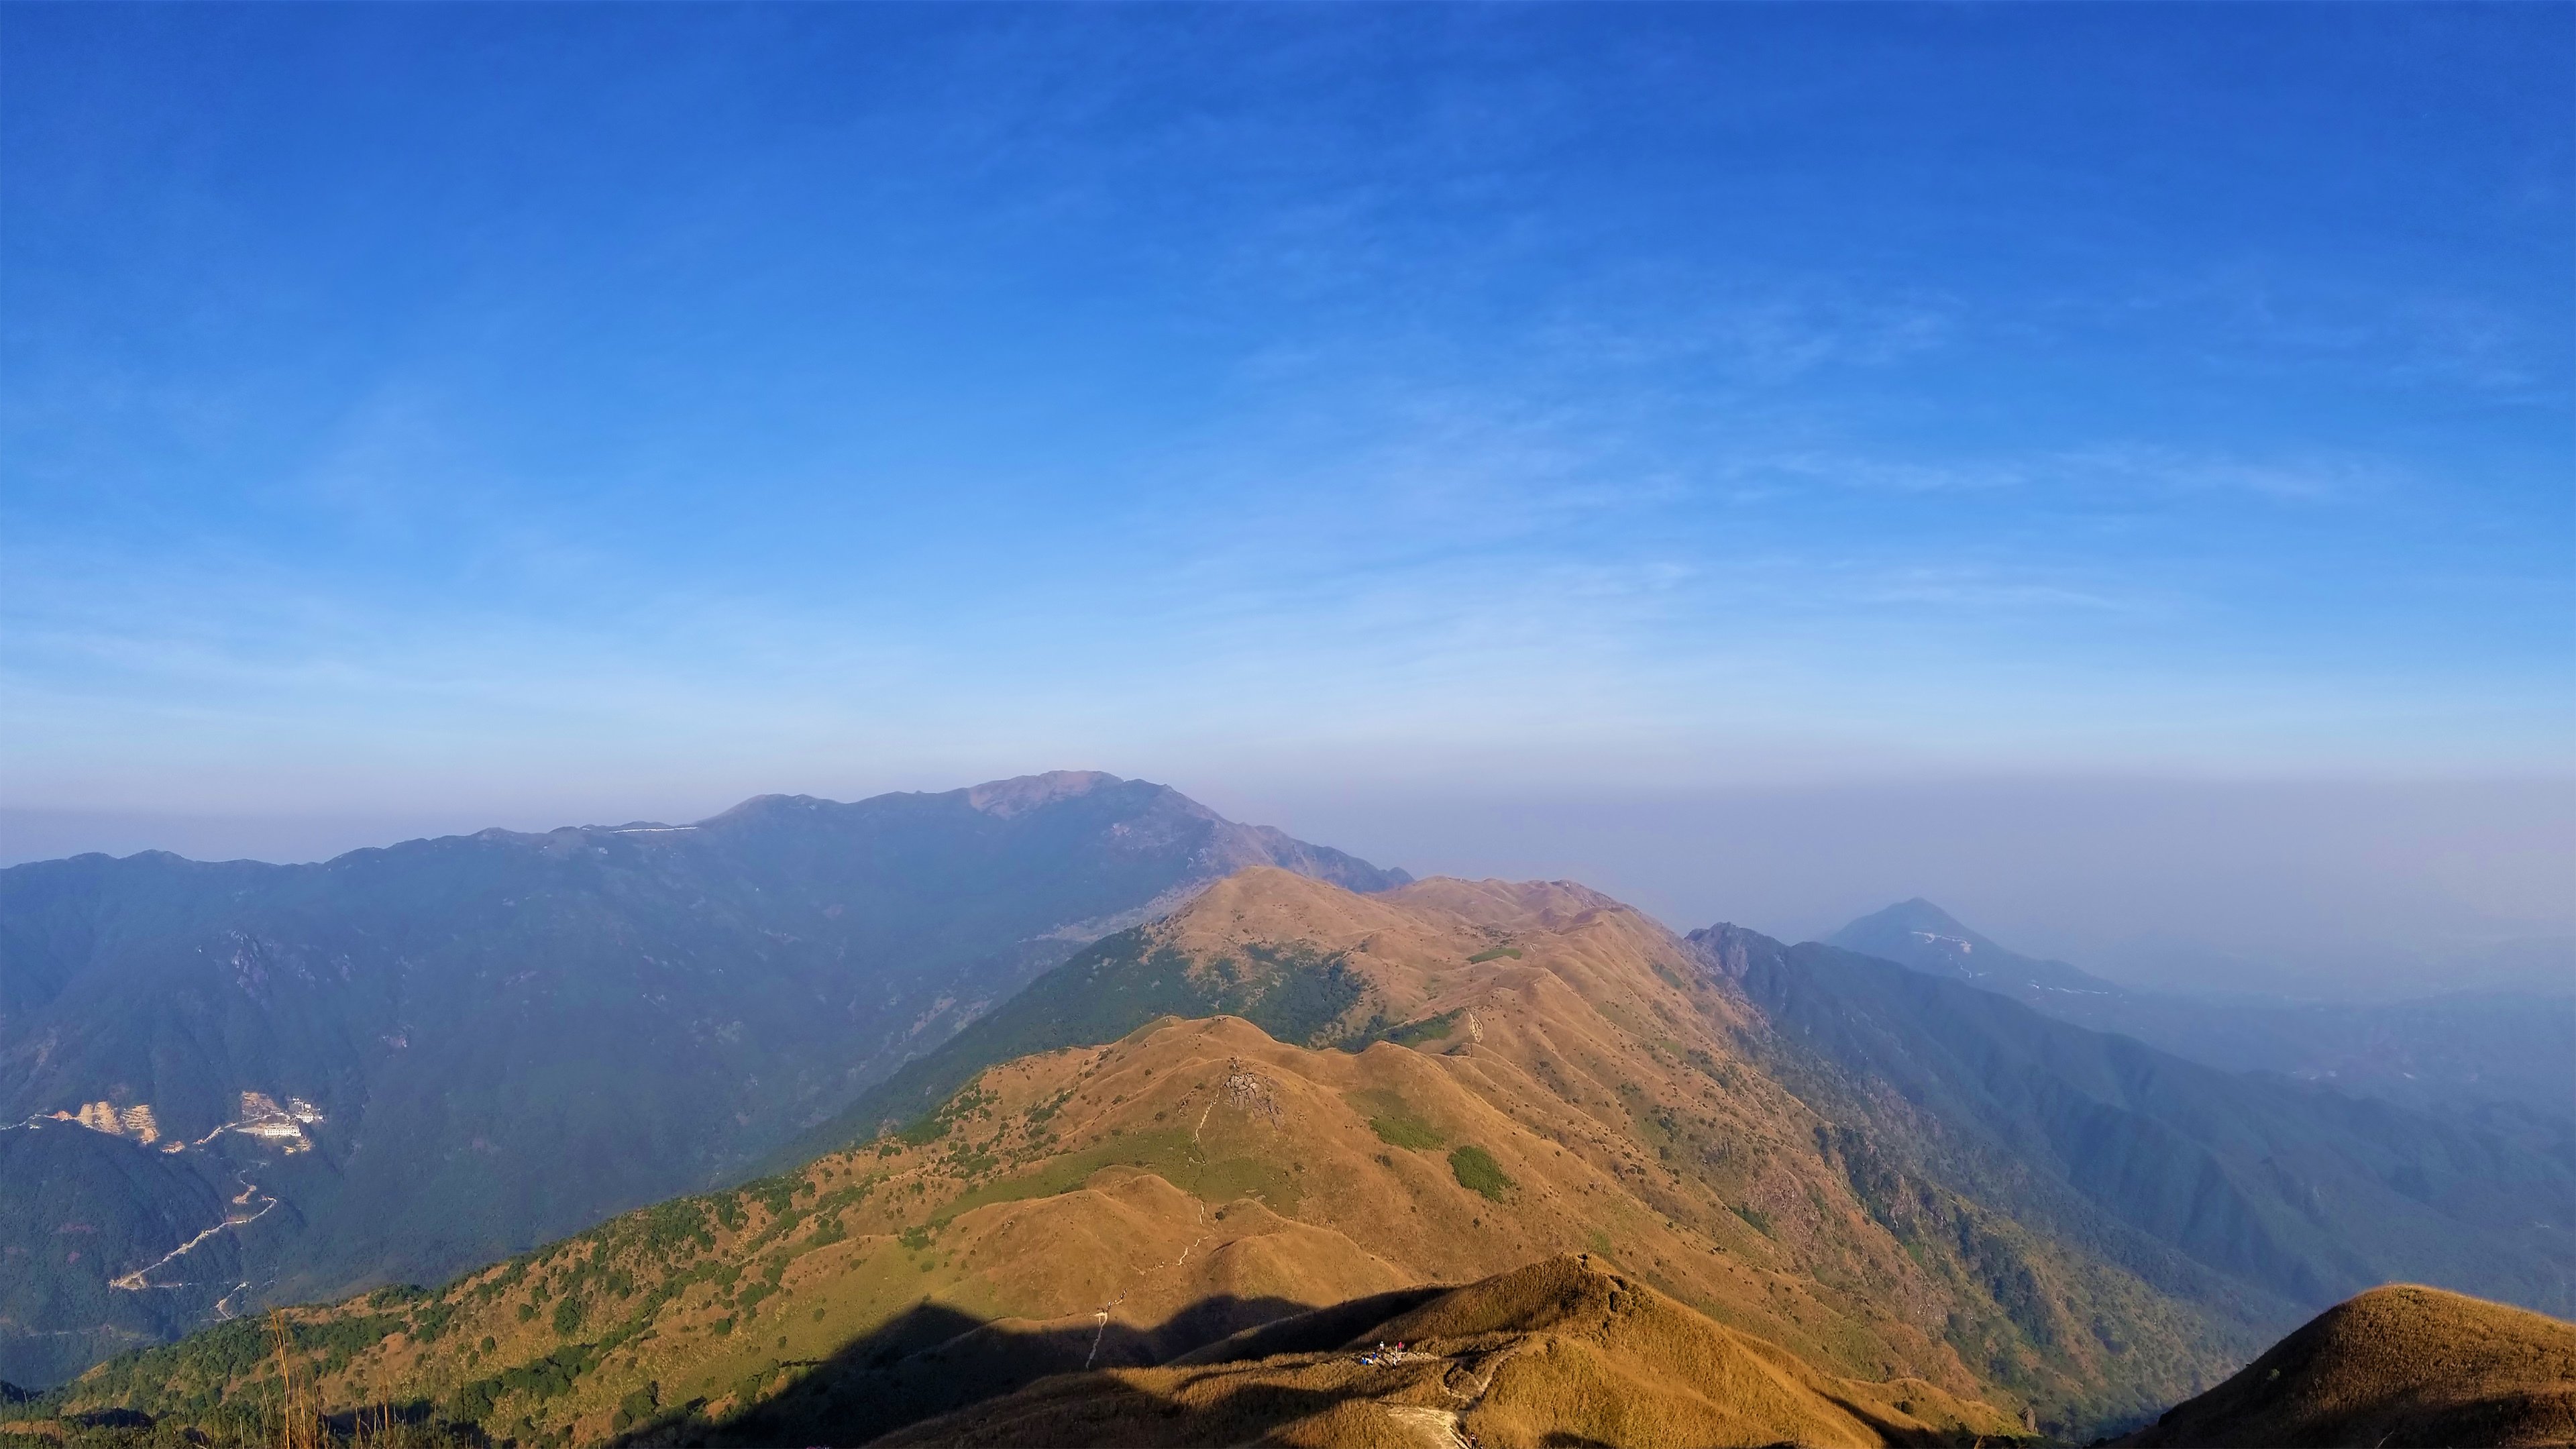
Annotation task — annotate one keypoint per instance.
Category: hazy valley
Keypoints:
(2471, 1052)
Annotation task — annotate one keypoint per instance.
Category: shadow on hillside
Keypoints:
(1101, 1410)
(414, 1420)
(1887, 1429)
(933, 1358)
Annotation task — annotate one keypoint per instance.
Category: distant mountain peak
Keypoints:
(709, 990)
(1022, 793)
(1921, 935)
(760, 806)
(1921, 915)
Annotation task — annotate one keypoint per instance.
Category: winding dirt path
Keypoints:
(136, 1281)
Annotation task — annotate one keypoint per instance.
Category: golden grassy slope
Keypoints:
(1196, 1214)
(1602, 1031)
(1125, 1203)
(1567, 1350)
(2398, 1367)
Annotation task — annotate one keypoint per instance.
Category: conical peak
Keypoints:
(1916, 914)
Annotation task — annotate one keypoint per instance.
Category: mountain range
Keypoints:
(1919, 1200)
(404, 1062)
(2471, 1051)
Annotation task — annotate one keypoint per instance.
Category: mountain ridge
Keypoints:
(1569, 1088)
(471, 1018)
(2477, 1053)
(1883, 1173)
(2300, 1193)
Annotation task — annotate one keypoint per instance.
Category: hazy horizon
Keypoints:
(2323, 889)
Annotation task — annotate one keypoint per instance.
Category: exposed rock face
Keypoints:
(136, 1122)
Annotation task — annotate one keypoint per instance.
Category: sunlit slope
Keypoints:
(504, 1038)
(1115, 1205)
(1606, 1020)
(1535, 1070)
(2395, 1368)
(1566, 1350)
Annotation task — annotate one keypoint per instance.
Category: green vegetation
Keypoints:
(1120, 983)
(503, 1005)
(1477, 1171)
(1496, 953)
(1928, 1079)
(546, 1378)
(1411, 1033)
(967, 1104)
(1396, 1121)
(1403, 1131)
(1168, 1154)
(711, 1298)
(635, 1408)
(1436, 1028)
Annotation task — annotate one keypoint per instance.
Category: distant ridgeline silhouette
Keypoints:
(2498, 1054)
(2260, 1197)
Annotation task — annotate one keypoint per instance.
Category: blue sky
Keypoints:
(558, 412)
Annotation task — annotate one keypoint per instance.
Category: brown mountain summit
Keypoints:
(1288, 1099)
(1566, 1350)
(1497, 1074)
(2395, 1368)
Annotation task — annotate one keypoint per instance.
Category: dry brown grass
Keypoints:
(1567, 1350)
(1121, 1196)
(299, 1416)
(1583, 1033)
(2394, 1368)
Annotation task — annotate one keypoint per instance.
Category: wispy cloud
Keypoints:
(1761, 333)
(1493, 385)
(2111, 471)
